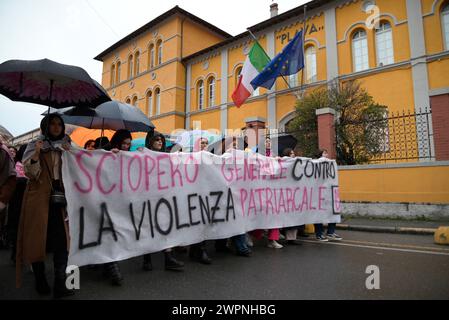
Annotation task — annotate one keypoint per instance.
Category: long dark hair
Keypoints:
(45, 127)
(151, 137)
(19, 154)
(118, 138)
(88, 143)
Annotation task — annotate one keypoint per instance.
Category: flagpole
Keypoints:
(255, 39)
(303, 46)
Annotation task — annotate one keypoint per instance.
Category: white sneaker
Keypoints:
(274, 245)
(249, 241)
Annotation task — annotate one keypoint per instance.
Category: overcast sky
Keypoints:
(75, 31)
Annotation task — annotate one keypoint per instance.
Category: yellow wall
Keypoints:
(438, 73)
(432, 26)
(414, 185)
(237, 116)
(350, 18)
(209, 119)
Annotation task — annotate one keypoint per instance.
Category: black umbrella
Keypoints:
(50, 83)
(285, 141)
(112, 115)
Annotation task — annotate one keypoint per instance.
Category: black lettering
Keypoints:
(294, 176)
(205, 209)
(230, 205)
(318, 170)
(131, 212)
(216, 208)
(305, 169)
(156, 215)
(151, 220)
(104, 212)
(81, 244)
(178, 226)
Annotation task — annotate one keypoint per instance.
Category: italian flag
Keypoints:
(255, 62)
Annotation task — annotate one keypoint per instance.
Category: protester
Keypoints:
(90, 145)
(7, 186)
(15, 204)
(43, 222)
(198, 251)
(229, 145)
(156, 141)
(319, 228)
(292, 232)
(273, 234)
(101, 142)
(120, 141)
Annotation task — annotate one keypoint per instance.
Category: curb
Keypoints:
(400, 230)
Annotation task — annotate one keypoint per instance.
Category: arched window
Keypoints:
(384, 44)
(360, 51)
(137, 63)
(211, 92)
(293, 80)
(445, 22)
(157, 94)
(128, 101)
(238, 72)
(149, 99)
(159, 52)
(119, 70)
(135, 104)
(200, 94)
(130, 67)
(311, 73)
(112, 75)
(151, 56)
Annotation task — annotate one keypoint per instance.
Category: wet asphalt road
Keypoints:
(411, 267)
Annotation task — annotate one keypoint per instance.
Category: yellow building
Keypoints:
(180, 69)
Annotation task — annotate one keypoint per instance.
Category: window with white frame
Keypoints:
(119, 70)
(150, 104)
(384, 44)
(159, 52)
(211, 88)
(200, 95)
(130, 67)
(135, 103)
(445, 21)
(311, 73)
(137, 63)
(112, 75)
(360, 51)
(293, 80)
(158, 101)
(151, 56)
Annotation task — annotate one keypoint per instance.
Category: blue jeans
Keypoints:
(240, 243)
(319, 229)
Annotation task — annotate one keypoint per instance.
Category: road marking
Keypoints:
(378, 247)
(402, 246)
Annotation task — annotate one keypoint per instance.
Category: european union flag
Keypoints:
(289, 61)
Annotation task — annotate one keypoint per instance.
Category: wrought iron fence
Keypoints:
(401, 136)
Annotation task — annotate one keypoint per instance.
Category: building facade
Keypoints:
(181, 70)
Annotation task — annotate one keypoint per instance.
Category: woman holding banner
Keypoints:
(43, 223)
(198, 251)
(273, 234)
(156, 141)
(120, 141)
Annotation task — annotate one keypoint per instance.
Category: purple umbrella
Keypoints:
(50, 83)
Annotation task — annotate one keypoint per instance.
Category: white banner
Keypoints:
(131, 203)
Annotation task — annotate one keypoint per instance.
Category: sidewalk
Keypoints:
(390, 225)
